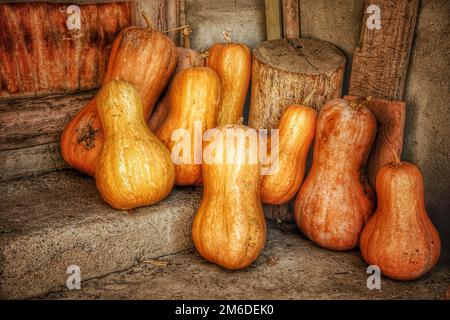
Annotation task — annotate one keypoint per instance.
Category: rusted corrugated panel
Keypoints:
(40, 55)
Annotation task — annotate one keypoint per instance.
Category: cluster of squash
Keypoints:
(126, 145)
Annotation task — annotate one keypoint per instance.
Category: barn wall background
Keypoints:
(427, 92)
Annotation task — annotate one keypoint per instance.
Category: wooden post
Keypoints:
(173, 19)
(273, 19)
(291, 18)
(380, 62)
(285, 72)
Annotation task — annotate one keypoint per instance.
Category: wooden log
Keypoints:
(390, 117)
(285, 72)
(380, 61)
(29, 122)
(291, 18)
(273, 19)
(40, 55)
(30, 161)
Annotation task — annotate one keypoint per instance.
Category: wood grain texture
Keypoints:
(40, 55)
(285, 72)
(273, 20)
(380, 62)
(173, 19)
(291, 18)
(156, 10)
(35, 121)
(390, 117)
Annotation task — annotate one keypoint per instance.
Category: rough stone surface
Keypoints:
(427, 96)
(52, 221)
(245, 20)
(290, 267)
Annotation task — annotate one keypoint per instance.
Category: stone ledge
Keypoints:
(51, 221)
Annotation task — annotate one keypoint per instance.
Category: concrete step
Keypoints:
(58, 219)
(290, 267)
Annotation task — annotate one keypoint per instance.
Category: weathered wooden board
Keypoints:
(390, 117)
(291, 18)
(40, 55)
(380, 61)
(273, 19)
(29, 122)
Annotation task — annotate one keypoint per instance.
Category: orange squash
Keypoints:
(134, 168)
(232, 62)
(142, 57)
(335, 201)
(187, 58)
(194, 97)
(400, 238)
(229, 228)
(297, 128)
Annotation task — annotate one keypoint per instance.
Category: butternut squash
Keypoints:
(335, 201)
(232, 62)
(400, 238)
(229, 228)
(297, 128)
(194, 97)
(134, 168)
(186, 58)
(142, 57)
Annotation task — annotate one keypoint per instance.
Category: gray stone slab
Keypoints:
(52, 221)
(290, 267)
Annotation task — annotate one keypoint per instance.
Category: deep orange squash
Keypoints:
(335, 201)
(232, 62)
(187, 58)
(297, 128)
(194, 96)
(400, 238)
(142, 57)
(229, 228)
(134, 168)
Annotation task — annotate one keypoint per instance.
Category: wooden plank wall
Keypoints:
(32, 117)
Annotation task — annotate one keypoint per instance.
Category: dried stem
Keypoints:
(397, 161)
(147, 19)
(227, 36)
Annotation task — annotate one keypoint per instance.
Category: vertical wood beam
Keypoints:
(273, 19)
(291, 18)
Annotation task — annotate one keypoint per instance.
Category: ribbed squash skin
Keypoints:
(232, 62)
(134, 168)
(400, 238)
(229, 228)
(194, 96)
(140, 56)
(335, 201)
(187, 58)
(297, 128)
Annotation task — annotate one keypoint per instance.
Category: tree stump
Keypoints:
(285, 72)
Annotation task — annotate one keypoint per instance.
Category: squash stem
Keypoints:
(204, 55)
(397, 161)
(227, 36)
(356, 102)
(147, 19)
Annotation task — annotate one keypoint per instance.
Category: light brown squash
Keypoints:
(134, 168)
(187, 58)
(335, 201)
(194, 96)
(229, 228)
(297, 128)
(143, 57)
(400, 238)
(232, 62)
